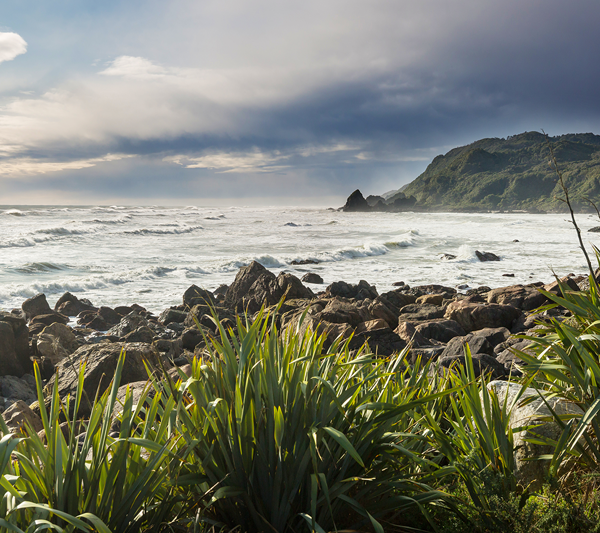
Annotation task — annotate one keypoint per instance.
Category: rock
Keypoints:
(101, 363)
(342, 311)
(486, 256)
(142, 334)
(37, 305)
(526, 298)
(127, 324)
(555, 288)
(441, 330)
(420, 313)
(372, 325)
(136, 389)
(244, 279)
(447, 257)
(508, 275)
(110, 316)
(476, 344)
(431, 299)
(473, 316)
(381, 342)
(494, 336)
(397, 299)
(296, 262)
(398, 284)
(51, 318)
(15, 389)
(221, 290)
(56, 342)
(482, 363)
(483, 289)
(434, 289)
(18, 415)
(70, 305)
(311, 277)
(14, 345)
(379, 309)
(409, 334)
(530, 472)
(195, 295)
(360, 291)
(595, 229)
(172, 315)
(191, 338)
(356, 202)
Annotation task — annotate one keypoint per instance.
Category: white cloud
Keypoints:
(21, 166)
(11, 45)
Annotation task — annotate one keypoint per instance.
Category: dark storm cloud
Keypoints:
(312, 96)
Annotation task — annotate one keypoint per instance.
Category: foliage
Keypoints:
(511, 173)
(287, 435)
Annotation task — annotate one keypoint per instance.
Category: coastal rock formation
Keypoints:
(14, 345)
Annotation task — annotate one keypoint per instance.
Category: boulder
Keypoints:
(356, 202)
(431, 299)
(482, 363)
(396, 299)
(14, 345)
(110, 316)
(244, 279)
(101, 363)
(195, 295)
(127, 324)
(311, 277)
(409, 334)
(486, 256)
(372, 325)
(51, 318)
(554, 287)
(342, 311)
(169, 316)
(70, 305)
(473, 316)
(381, 342)
(440, 329)
(14, 389)
(530, 472)
(18, 415)
(379, 309)
(359, 291)
(56, 342)
(36, 305)
(494, 336)
(420, 313)
(523, 297)
(476, 344)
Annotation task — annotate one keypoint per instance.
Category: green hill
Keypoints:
(515, 173)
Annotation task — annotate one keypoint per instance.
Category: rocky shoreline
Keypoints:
(436, 321)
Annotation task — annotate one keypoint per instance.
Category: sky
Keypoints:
(276, 102)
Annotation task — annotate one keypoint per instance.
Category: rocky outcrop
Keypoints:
(356, 202)
(359, 291)
(56, 342)
(523, 297)
(311, 277)
(14, 345)
(36, 305)
(70, 305)
(473, 316)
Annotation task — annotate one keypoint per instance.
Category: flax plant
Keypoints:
(288, 435)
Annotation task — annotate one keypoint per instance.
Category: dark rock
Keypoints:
(304, 262)
(124, 310)
(595, 229)
(360, 291)
(51, 318)
(14, 388)
(110, 316)
(191, 338)
(372, 199)
(127, 324)
(311, 277)
(380, 309)
(101, 363)
(398, 284)
(508, 275)
(426, 353)
(523, 297)
(409, 334)
(483, 289)
(70, 305)
(37, 305)
(381, 342)
(356, 202)
(554, 287)
(142, 334)
(441, 330)
(341, 311)
(14, 345)
(195, 295)
(97, 323)
(486, 256)
(477, 344)
(245, 278)
(482, 363)
(447, 257)
(473, 316)
(221, 289)
(172, 315)
(420, 313)
(494, 336)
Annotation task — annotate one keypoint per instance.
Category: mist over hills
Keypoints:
(515, 173)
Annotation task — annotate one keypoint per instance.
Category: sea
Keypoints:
(149, 255)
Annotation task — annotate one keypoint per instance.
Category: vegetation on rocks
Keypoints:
(515, 173)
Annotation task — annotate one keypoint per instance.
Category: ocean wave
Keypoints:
(42, 266)
(14, 212)
(121, 220)
(466, 254)
(155, 231)
(268, 261)
(62, 231)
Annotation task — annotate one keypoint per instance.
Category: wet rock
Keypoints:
(486, 256)
(304, 262)
(523, 297)
(447, 257)
(473, 316)
(311, 277)
(36, 305)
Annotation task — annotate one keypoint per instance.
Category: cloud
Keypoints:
(11, 45)
(22, 166)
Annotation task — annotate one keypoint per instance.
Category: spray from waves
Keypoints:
(62, 231)
(466, 254)
(268, 261)
(155, 231)
(407, 239)
(121, 220)
(14, 212)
